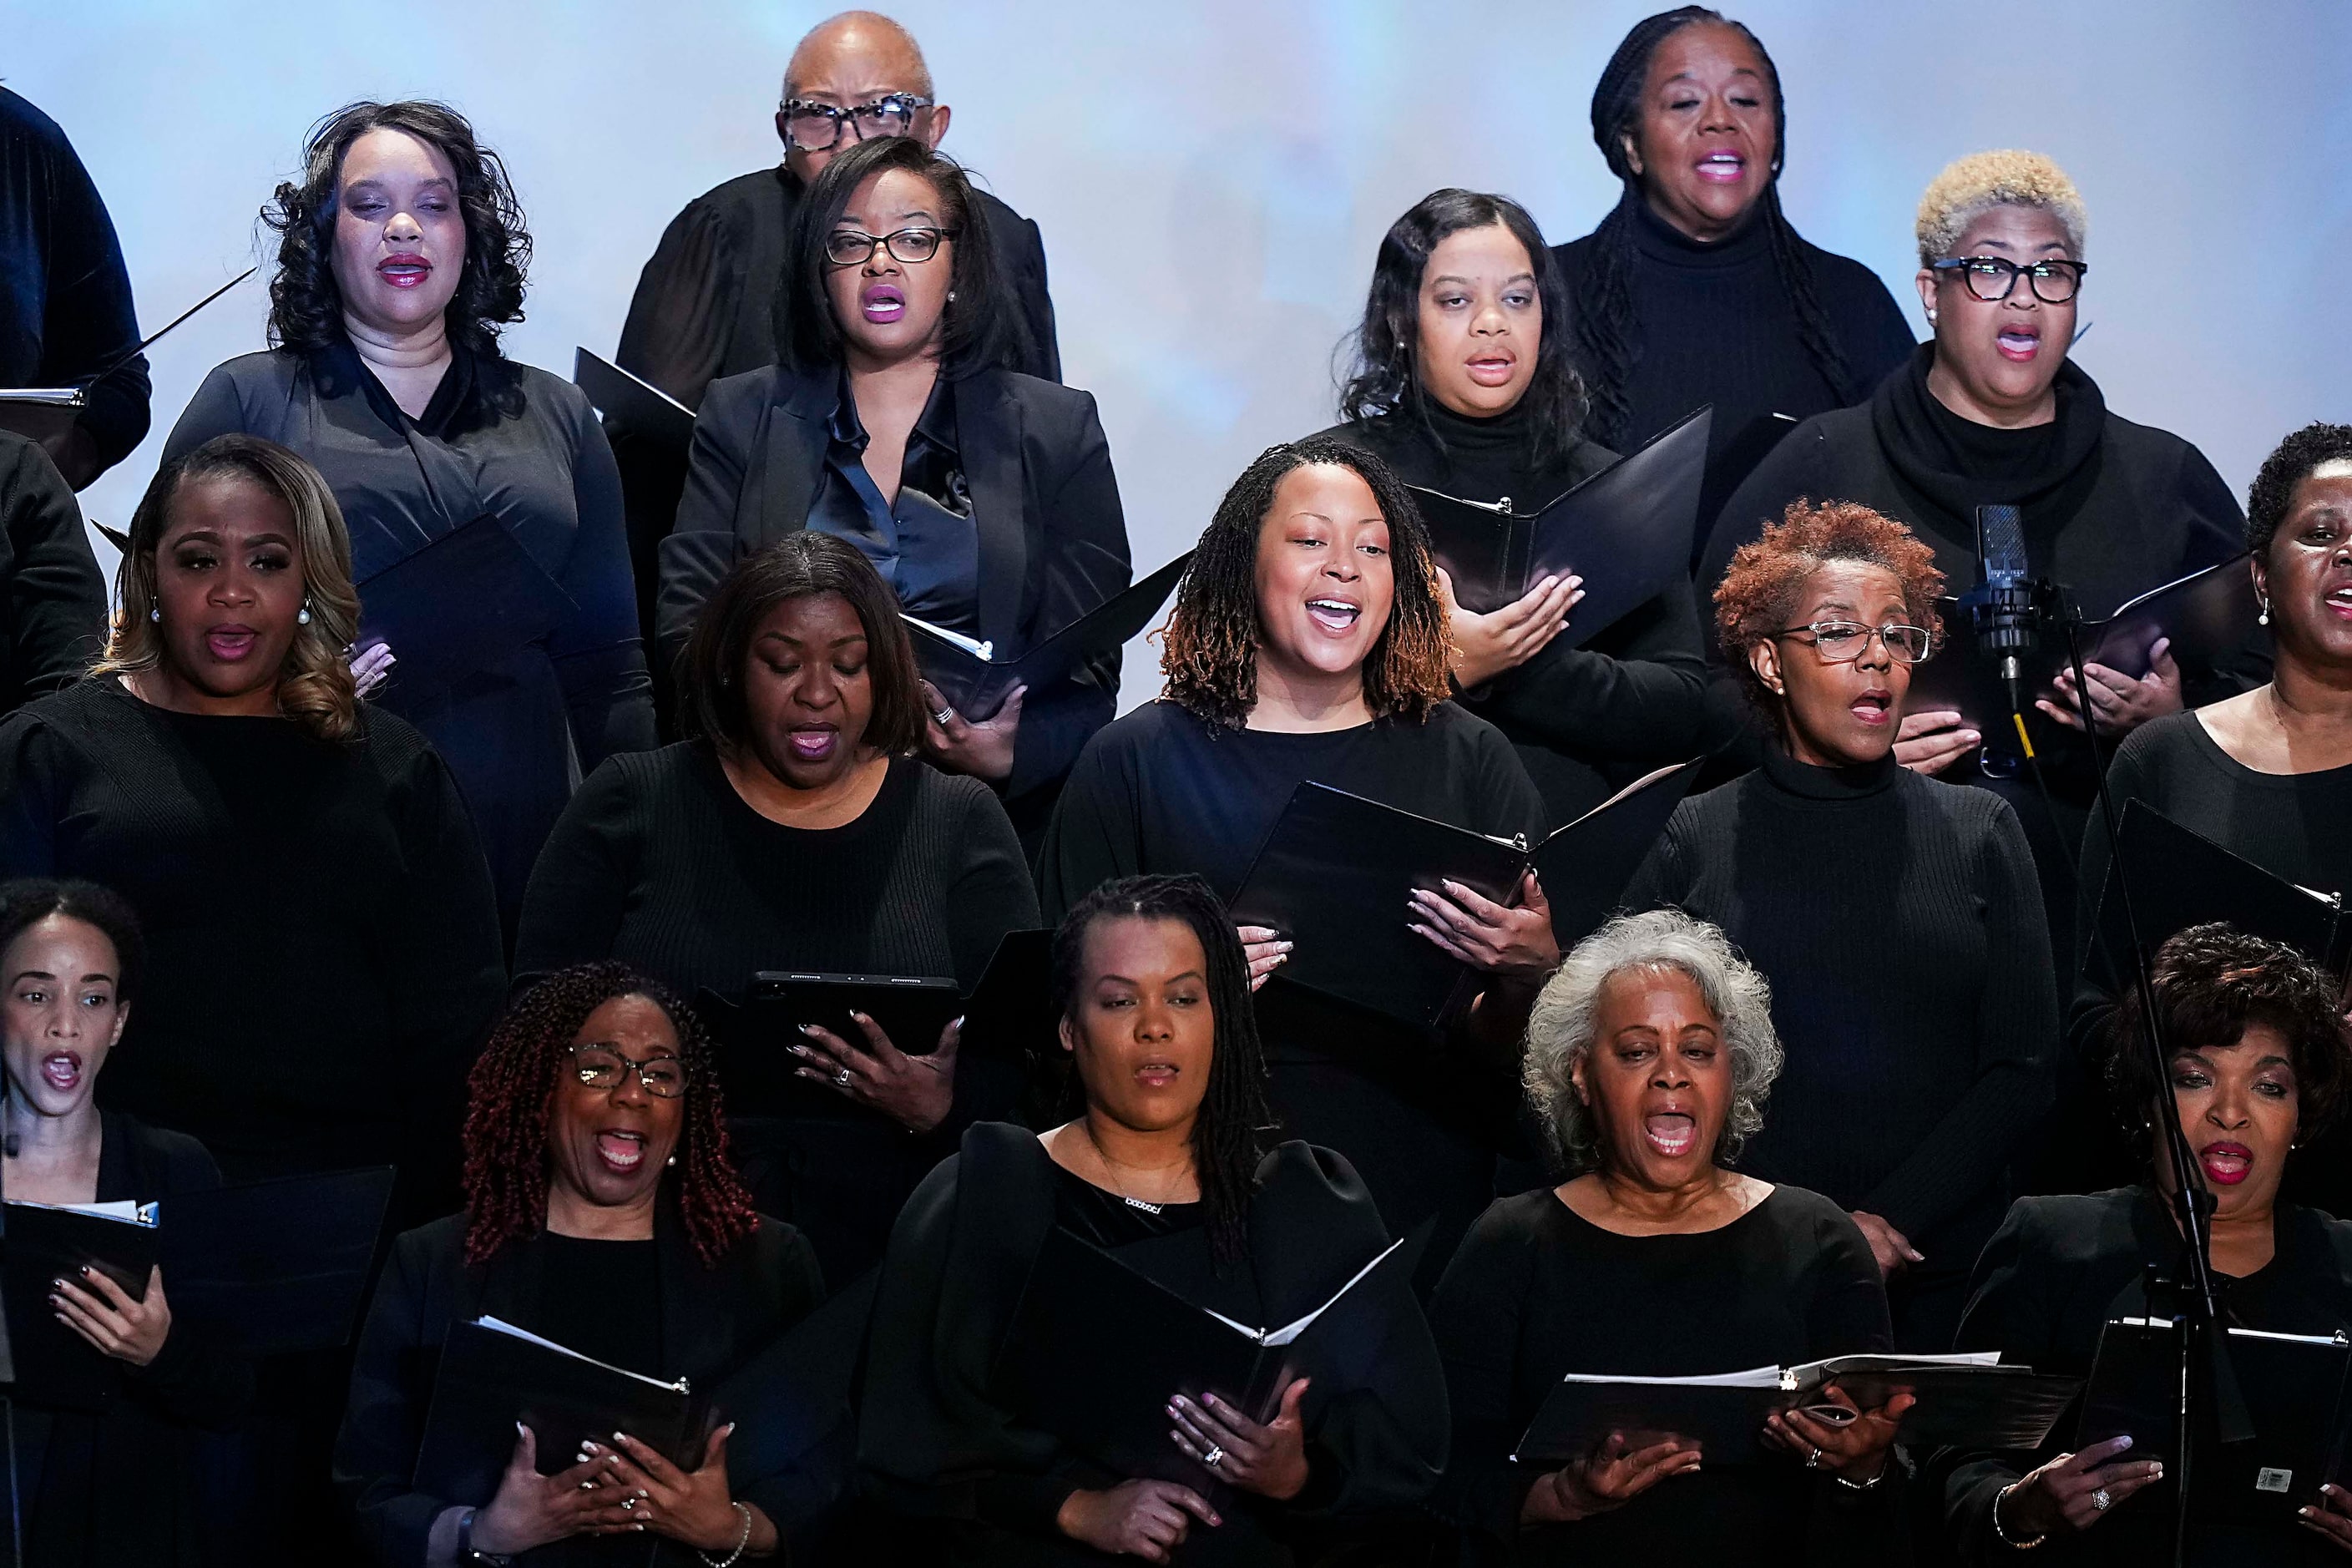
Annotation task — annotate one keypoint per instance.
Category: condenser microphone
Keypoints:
(2002, 609)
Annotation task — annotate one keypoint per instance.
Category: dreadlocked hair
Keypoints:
(1210, 650)
(506, 1120)
(1235, 1111)
(1608, 339)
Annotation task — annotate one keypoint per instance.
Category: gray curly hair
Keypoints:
(1560, 1029)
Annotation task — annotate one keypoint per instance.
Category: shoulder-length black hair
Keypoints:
(980, 329)
(25, 901)
(710, 669)
(1228, 1135)
(1386, 377)
(306, 308)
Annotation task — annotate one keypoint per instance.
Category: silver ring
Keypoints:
(628, 1505)
(840, 1079)
(1813, 1461)
(1215, 1457)
(2100, 1500)
(942, 716)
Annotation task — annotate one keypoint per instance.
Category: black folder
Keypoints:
(494, 1374)
(1096, 1350)
(55, 1365)
(278, 1267)
(634, 403)
(976, 680)
(1336, 872)
(1626, 531)
(458, 607)
(2180, 878)
(1011, 1011)
(2294, 1386)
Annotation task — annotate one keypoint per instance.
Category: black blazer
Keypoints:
(713, 1321)
(52, 599)
(1045, 501)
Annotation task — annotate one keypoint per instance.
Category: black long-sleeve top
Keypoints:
(1537, 1292)
(66, 310)
(707, 1323)
(2047, 1283)
(1897, 920)
(147, 1439)
(314, 910)
(936, 1440)
(1586, 720)
(55, 615)
(523, 447)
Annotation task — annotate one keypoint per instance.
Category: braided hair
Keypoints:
(506, 1121)
(1235, 1111)
(1608, 339)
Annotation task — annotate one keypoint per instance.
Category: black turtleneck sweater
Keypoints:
(1586, 720)
(1896, 917)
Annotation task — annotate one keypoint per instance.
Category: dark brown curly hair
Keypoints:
(1767, 577)
(1210, 651)
(506, 1119)
(306, 308)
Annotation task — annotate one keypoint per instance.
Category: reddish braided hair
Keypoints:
(505, 1117)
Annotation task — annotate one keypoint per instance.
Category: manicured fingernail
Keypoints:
(2122, 1442)
(57, 1284)
(620, 1436)
(521, 1430)
(85, 1270)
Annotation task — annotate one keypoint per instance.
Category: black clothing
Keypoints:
(66, 312)
(660, 864)
(922, 543)
(78, 1468)
(1536, 1292)
(711, 1320)
(1110, 1220)
(1715, 323)
(496, 437)
(934, 1440)
(1043, 504)
(323, 954)
(53, 618)
(1162, 790)
(603, 1298)
(2045, 1287)
(1912, 990)
(1586, 720)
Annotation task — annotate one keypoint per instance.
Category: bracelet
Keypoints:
(740, 1542)
(1871, 1485)
(469, 1552)
(2003, 1535)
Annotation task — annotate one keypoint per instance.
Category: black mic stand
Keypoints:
(7, 1353)
(2200, 1326)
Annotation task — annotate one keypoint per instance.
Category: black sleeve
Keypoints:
(90, 318)
(1095, 835)
(991, 894)
(701, 545)
(579, 885)
(1044, 358)
(2088, 1006)
(680, 317)
(1475, 1317)
(2217, 532)
(190, 1382)
(32, 795)
(2009, 1311)
(1792, 468)
(1877, 338)
(598, 658)
(1636, 693)
(214, 410)
(1661, 879)
(384, 1419)
(57, 598)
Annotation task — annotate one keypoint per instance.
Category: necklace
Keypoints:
(1112, 1167)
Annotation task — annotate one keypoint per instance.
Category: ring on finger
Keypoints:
(1215, 1457)
(840, 1079)
(2101, 1498)
(942, 716)
(1814, 1459)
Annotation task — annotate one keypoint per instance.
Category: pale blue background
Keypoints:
(1212, 178)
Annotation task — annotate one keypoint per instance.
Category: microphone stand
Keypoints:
(7, 1352)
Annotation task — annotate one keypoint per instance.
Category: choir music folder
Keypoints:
(976, 680)
(1626, 531)
(1097, 1349)
(634, 402)
(1336, 870)
(55, 1365)
(1966, 1400)
(276, 1267)
(2294, 1386)
(458, 607)
(494, 1374)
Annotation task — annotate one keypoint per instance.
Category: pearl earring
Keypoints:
(154, 612)
(2264, 618)
(950, 296)
(671, 1161)
(303, 617)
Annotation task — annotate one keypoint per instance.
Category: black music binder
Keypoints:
(509, 603)
(278, 1267)
(976, 680)
(644, 409)
(55, 1365)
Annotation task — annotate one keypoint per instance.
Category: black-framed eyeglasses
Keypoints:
(603, 1066)
(913, 246)
(817, 127)
(1843, 642)
(1993, 278)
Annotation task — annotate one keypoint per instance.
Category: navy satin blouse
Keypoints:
(924, 545)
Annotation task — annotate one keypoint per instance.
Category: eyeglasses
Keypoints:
(1993, 278)
(848, 247)
(1843, 642)
(817, 127)
(603, 1067)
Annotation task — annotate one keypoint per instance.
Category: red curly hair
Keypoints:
(1767, 577)
(506, 1119)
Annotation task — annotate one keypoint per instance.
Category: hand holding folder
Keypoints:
(458, 607)
(55, 1365)
(975, 678)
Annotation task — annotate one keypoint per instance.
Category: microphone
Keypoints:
(2001, 607)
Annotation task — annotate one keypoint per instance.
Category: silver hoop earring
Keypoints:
(154, 612)
(303, 618)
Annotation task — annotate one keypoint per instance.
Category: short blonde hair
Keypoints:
(1971, 186)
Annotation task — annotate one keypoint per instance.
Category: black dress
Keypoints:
(936, 1442)
(1586, 720)
(660, 863)
(1020, 489)
(1537, 1292)
(75, 1468)
(2047, 1284)
(1161, 791)
(496, 437)
(651, 1306)
(1894, 917)
(54, 615)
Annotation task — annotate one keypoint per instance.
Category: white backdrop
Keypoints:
(1212, 177)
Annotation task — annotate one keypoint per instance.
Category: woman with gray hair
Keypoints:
(1649, 1056)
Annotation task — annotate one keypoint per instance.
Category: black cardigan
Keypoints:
(54, 613)
(714, 1321)
(1044, 503)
